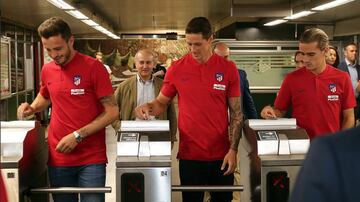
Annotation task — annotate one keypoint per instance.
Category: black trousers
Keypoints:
(204, 173)
(357, 109)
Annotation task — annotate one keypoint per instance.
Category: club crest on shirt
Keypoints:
(219, 77)
(77, 80)
(332, 87)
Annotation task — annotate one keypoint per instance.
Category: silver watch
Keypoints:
(78, 137)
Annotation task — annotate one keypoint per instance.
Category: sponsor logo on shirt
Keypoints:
(77, 80)
(219, 77)
(333, 97)
(77, 91)
(332, 87)
(219, 86)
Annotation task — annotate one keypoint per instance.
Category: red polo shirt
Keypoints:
(203, 91)
(75, 90)
(317, 101)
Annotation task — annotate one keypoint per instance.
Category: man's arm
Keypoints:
(235, 130)
(110, 114)
(348, 119)
(153, 108)
(38, 105)
(269, 112)
(159, 73)
(118, 96)
(171, 114)
(358, 87)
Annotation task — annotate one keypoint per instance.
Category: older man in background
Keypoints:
(141, 89)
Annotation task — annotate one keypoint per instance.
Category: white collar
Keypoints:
(139, 79)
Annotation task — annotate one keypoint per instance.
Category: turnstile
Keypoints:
(271, 152)
(143, 164)
(24, 155)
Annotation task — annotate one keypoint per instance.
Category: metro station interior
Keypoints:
(142, 156)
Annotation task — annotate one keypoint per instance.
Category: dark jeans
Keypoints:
(92, 175)
(204, 173)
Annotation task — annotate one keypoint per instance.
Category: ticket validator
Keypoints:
(272, 152)
(24, 154)
(143, 164)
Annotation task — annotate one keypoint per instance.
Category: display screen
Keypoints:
(132, 187)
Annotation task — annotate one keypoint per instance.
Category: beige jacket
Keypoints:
(126, 98)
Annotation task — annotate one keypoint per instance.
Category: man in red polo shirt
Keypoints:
(321, 96)
(207, 86)
(83, 103)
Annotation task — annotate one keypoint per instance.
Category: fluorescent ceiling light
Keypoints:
(77, 14)
(113, 36)
(275, 22)
(107, 32)
(299, 15)
(100, 28)
(61, 4)
(90, 23)
(331, 4)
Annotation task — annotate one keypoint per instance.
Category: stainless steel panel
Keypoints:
(156, 161)
(11, 181)
(31, 168)
(157, 182)
(254, 167)
(292, 174)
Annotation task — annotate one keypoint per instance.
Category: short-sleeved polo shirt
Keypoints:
(317, 101)
(203, 91)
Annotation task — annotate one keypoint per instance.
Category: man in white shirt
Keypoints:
(351, 66)
(140, 89)
(99, 57)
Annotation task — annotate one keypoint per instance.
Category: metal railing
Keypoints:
(63, 190)
(180, 188)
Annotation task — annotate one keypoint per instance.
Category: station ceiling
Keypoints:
(162, 16)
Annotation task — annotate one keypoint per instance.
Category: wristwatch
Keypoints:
(78, 137)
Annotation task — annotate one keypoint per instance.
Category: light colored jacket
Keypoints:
(126, 98)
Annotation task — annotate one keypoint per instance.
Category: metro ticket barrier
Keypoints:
(24, 154)
(143, 164)
(272, 152)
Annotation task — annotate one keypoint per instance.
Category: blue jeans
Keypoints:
(92, 175)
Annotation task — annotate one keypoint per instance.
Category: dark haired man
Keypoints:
(207, 86)
(83, 103)
(320, 95)
(351, 66)
(298, 59)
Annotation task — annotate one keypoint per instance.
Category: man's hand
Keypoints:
(268, 113)
(358, 87)
(66, 144)
(143, 111)
(230, 160)
(24, 110)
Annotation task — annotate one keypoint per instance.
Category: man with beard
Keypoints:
(79, 89)
(207, 86)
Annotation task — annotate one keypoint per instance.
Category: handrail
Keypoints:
(177, 188)
(62, 190)
(264, 89)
